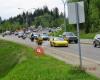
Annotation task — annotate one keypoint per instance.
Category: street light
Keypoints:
(64, 3)
(26, 14)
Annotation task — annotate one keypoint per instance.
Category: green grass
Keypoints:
(87, 36)
(82, 35)
(57, 33)
(18, 62)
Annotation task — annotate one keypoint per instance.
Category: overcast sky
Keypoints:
(9, 8)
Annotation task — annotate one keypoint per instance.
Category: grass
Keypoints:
(18, 62)
(87, 36)
(57, 33)
(82, 35)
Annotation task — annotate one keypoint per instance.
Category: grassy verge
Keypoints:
(20, 63)
(56, 33)
(87, 36)
(82, 35)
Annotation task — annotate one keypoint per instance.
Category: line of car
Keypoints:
(54, 41)
(62, 40)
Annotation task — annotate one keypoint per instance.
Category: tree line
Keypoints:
(43, 17)
(52, 18)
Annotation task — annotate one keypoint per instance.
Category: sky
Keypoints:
(9, 8)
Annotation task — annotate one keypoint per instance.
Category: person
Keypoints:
(39, 40)
(65, 38)
(32, 37)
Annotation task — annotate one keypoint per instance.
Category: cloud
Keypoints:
(10, 8)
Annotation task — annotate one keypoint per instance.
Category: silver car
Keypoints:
(96, 41)
(20, 34)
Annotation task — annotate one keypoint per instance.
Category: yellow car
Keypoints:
(56, 41)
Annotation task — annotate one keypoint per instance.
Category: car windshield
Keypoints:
(58, 39)
(44, 34)
(70, 34)
(21, 32)
(35, 34)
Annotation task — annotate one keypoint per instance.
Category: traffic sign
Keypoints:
(72, 16)
(76, 16)
(39, 50)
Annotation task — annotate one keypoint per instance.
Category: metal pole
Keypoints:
(78, 33)
(26, 19)
(23, 19)
(64, 3)
(65, 16)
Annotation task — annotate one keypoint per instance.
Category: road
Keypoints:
(88, 51)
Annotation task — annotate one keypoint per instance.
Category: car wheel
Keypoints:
(48, 39)
(51, 45)
(54, 44)
(76, 41)
(69, 41)
(95, 45)
(24, 38)
(67, 46)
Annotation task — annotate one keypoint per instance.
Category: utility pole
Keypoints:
(26, 19)
(0, 25)
(64, 4)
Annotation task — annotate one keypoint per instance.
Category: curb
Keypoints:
(86, 43)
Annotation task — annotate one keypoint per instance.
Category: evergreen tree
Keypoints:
(0, 20)
(56, 13)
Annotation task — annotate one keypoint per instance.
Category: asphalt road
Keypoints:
(88, 51)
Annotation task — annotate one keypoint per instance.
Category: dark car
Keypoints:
(33, 36)
(70, 36)
(96, 41)
(36, 36)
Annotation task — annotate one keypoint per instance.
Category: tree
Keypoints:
(56, 13)
(45, 9)
(0, 20)
(43, 17)
(92, 15)
(87, 16)
(98, 4)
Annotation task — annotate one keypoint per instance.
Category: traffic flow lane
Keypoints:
(88, 51)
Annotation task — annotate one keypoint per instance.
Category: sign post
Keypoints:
(76, 16)
(78, 33)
